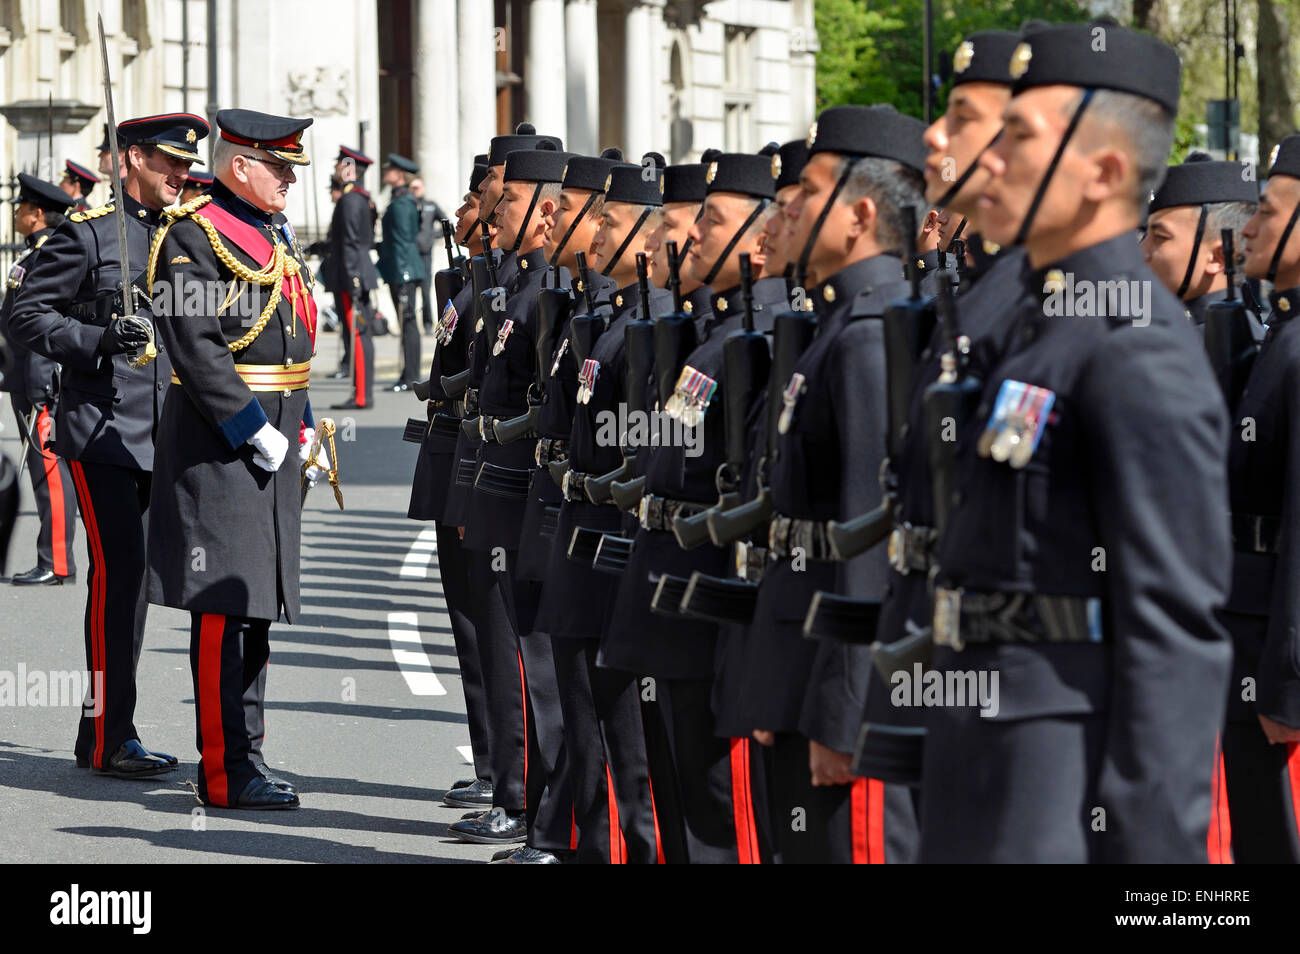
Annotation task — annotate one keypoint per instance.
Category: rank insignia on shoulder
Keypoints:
(1016, 425)
(181, 260)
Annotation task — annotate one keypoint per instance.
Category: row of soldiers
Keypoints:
(765, 538)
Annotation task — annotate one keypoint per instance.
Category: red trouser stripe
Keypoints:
(867, 808)
(358, 356)
(1293, 773)
(98, 593)
(523, 692)
(742, 809)
(654, 813)
(1220, 836)
(54, 483)
(617, 849)
(211, 630)
(573, 829)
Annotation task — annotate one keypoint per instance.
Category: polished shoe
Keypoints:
(399, 387)
(40, 576)
(494, 828)
(350, 405)
(260, 795)
(133, 760)
(478, 794)
(462, 783)
(282, 784)
(527, 855)
(339, 375)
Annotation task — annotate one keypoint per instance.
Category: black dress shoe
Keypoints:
(349, 405)
(260, 795)
(497, 827)
(338, 375)
(527, 855)
(478, 794)
(40, 576)
(133, 760)
(282, 784)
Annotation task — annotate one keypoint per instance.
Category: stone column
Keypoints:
(546, 98)
(638, 76)
(477, 41)
(582, 49)
(437, 115)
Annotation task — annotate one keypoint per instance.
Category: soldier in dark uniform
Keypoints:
(1183, 244)
(1261, 738)
(105, 157)
(195, 185)
(1088, 545)
(229, 437)
(695, 776)
(400, 263)
(78, 181)
(433, 476)
(524, 715)
(33, 385)
(69, 310)
(602, 722)
(350, 274)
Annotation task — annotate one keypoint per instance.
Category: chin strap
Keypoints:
(956, 187)
(801, 267)
(1051, 167)
(559, 249)
(1276, 262)
(1196, 248)
(528, 216)
(740, 233)
(645, 214)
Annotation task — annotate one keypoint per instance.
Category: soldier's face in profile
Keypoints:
(776, 232)
(674, 223)
(973, 118)
(27, 218)
(490, 193)
(466, 215)
(816, 182)
(724, 213)
(159, 177)
(559, 221)
(510, 212)
(264, 181)
(71, 186)
(615, 223)
(1167, 246)
(1261, 235)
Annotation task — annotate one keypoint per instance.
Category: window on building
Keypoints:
(738, 93)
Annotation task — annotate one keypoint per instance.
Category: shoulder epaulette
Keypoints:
(85, 215)
(181, 211)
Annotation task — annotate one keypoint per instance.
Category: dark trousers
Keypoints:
(453, 569)
(228, 656)
(114, 505)
(409, 319)
(426, 294)
(1263, 796)
(701, 782)
(56, 501)
(360, 346)
(863, 822)
(604, 741)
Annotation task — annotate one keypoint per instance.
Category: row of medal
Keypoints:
(691, 396)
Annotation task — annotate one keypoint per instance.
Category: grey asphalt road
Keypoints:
(365, 712)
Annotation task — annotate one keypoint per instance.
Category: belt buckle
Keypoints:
(643, 512)
(777, 530)
(742, 559)
(564, 484)
(1257, 524)
(897, 550)
(537, 453)
(947, 619)
(482, 433)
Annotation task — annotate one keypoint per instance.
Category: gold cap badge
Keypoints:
(961, 59)
(829, 292)
(1272, 156)
(812, 135)
(191, 136)
(776, 165)
(1020, 60)
(608, 180)
(713, 171)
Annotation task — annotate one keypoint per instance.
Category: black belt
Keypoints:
(750, 561)
(465, 471)
(487, 429)
(469, 403)
(1255, 534)
(657, 513)
(550, 520)
(785, 535)
(444, 406)
(909, 548)
(574, 486)
(962, 618)
(512, 483)
(550, 449)
(445, 426)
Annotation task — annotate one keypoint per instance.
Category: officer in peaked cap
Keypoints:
(77, 182)
(429, 493)
(1049, 564)
(400, 262)
(350, 274)
(236, 433)
(1183, 244)
(69, 310)
(1261, 738)
(701, 824)
(32, 381)
(105, 158)
(576, 599)
(524, 720)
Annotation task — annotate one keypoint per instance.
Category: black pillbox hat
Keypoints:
(1199, 181)
(524, 137)
(985, 57)
(638, 184)
(543, 164)
(741, 172)
(590, 172)
(788, 163)
(879, 132)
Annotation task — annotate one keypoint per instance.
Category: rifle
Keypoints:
(485, 324)
(447, 283)
(554, 307)
(639, 341)
(586, 328)
(747, 364)
(1229, 340)
(481, 280)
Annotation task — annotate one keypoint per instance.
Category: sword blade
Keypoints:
(119, 212)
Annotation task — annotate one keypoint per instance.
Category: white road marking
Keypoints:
(466, 753)
(409, 654)
(416, 564)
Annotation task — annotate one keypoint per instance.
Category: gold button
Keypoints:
(722, 304)
(991, 248)
(1284, 304)
(287, 392)
(920, 263)
(288, 362)
(523, 263)
(579, 286)
(829, 292)
(688, 307)
(288, 329)
(141, 212)
(618, 301)
(1054, 281)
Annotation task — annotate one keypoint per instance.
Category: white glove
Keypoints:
(271, 447)
(320, 465)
